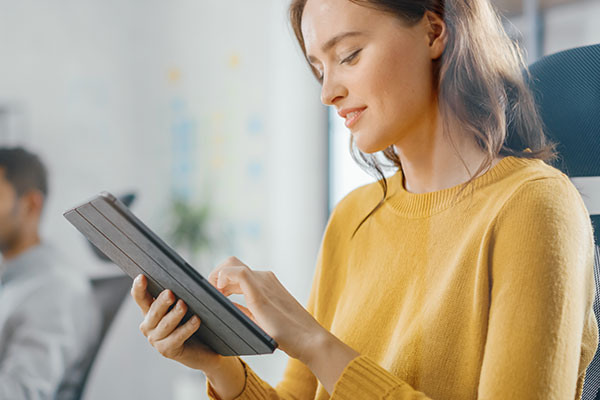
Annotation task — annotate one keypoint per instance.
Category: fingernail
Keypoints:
(137, 280)
(195, 320)
(179, 304)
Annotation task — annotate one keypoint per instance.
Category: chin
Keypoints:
(368, 146)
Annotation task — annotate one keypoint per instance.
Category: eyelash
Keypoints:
(350, 57)
(345, 60)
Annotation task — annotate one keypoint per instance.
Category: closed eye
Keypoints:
(350, 57)
(319, 77)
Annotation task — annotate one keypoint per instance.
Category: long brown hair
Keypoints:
(480, 80)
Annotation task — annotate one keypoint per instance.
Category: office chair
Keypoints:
(109, 293)
(566, 86)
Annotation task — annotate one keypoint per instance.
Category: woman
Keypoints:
(470, 277)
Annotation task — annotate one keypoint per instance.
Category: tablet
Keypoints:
(129, 243)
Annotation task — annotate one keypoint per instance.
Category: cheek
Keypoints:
(403, 87)
(396, 87)
(5, 209)
(7, 225)
(9, 212)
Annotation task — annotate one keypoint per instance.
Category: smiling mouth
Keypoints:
(353, 117)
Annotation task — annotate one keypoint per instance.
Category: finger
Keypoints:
(174, 342)
(157, 311)
(169, 323)
(246, 311)
(238, 280)
(212, 277)
(139, 293)
(229, 262)
(229, 279)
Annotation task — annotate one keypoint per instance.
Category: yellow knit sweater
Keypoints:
(487, 295)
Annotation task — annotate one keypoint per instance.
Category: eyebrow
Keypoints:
(335, 40)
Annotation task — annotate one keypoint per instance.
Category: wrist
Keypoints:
(224, 366)
(327, 358)
(318, 346)
(227, 377)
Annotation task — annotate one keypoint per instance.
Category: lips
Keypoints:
(351, 115)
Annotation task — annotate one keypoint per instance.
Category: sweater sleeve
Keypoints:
(298, 384)
(542, 332)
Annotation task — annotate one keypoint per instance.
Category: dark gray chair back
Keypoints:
(109, 293)
(567, 90)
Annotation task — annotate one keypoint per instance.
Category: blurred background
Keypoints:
(206, 111)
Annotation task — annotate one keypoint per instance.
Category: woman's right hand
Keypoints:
(161, 326)
(164, 333)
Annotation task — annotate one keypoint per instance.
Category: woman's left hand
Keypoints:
(271, 306)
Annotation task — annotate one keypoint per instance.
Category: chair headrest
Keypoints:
(566, 86)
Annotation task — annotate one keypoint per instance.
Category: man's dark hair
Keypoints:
(24, 170)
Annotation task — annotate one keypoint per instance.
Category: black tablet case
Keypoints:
(130, 244)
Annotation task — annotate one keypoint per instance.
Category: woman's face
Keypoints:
(374, 68)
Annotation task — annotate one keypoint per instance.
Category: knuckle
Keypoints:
(163, 324)
(161, 348)
(213, 275)
(227, 262)
(245, 272)
(165, 350)
(143, 328)
(154, 313)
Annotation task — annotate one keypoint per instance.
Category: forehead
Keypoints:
(323, 19)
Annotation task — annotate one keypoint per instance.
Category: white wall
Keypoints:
(106, 90)
(566, 26)
(572, 25)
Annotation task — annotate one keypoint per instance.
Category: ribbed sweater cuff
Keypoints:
(364, 379)
(253, 390)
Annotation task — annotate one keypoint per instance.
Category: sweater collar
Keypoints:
(418, 205)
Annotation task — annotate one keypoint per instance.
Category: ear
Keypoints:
(437, 34)
(34, 202)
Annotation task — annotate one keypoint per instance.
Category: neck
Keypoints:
(20, 247)
(431, 162)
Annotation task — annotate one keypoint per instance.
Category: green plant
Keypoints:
(190, 225)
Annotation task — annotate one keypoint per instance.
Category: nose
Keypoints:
(332, 90)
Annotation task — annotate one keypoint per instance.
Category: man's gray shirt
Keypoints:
(49, 324)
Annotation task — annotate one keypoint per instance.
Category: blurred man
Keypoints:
(49, 321)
